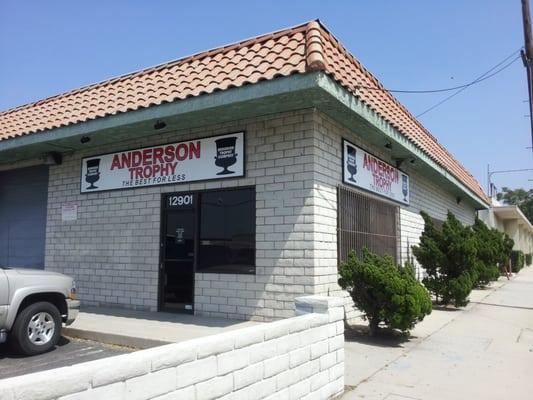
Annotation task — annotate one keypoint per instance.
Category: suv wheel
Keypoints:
(37, 328)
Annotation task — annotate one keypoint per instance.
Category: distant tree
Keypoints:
(519, 197)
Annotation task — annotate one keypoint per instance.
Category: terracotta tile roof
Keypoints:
(305, 48)
(263, 58)
(349, 72)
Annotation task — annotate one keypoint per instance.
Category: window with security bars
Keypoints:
(364, 221)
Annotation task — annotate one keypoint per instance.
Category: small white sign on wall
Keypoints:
(363, 170)
(69, 212)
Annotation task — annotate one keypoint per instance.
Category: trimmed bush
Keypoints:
(449, 258)
(517, 260)
(493, 250)
(486, 273)
(529, 259)
(384, 292)
(458, 289)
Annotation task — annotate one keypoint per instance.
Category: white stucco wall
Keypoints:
(517, 229)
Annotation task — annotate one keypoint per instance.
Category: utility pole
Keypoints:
(527, 58)
(490, 185)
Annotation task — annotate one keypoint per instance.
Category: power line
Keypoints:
(481, 78)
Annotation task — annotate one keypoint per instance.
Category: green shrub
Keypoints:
(493, 249)
(517, 260)
(458, 289)
(529, 259)
(450, 260)
(486, 274)
(384, 292)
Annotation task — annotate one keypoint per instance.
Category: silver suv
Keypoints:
(33, 306)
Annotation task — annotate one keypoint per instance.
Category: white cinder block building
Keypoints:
(224, 184)
(512, 221)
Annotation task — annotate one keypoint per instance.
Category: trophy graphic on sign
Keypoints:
(92, 174)
(351, 163)
(405, 187)
(226, 155)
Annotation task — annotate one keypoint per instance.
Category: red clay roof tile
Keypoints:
(305, 48)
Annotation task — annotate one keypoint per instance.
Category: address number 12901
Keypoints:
(180, 200)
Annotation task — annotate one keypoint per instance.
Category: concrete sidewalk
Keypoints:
(143, 329)
(483, 351)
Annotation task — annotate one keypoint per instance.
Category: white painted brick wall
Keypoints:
(425, 196)
(300, 356)
(411, 227)
(294, 161)
(112, 250)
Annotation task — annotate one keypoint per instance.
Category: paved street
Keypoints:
(482, 352)
(69, 351)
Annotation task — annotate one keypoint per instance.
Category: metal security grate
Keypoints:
(366, 222)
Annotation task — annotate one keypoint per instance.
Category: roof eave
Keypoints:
(512, 212)
(348, 100)
(59, 138)
(131, 124)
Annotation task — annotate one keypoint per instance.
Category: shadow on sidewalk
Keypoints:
(447, 308)
(7, 350)
(501, 305)
(383, 338)
(158, 316)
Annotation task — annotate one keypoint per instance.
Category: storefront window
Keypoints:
(227, 232)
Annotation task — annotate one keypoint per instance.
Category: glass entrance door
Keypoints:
(177, 258)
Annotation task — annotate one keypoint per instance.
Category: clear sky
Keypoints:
(48, 47)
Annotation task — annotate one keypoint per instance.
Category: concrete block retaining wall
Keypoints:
(297, 358)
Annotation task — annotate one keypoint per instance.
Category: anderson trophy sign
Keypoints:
(363, 170)
(219, 157)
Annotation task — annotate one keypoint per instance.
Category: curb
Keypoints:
(113, 339)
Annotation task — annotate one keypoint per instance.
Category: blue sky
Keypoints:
(48, 47)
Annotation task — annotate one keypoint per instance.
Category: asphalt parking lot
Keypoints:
(69, 351)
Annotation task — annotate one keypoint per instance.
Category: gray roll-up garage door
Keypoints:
(23, 198)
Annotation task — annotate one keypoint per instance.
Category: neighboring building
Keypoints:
(512, 221)
(225, 183)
